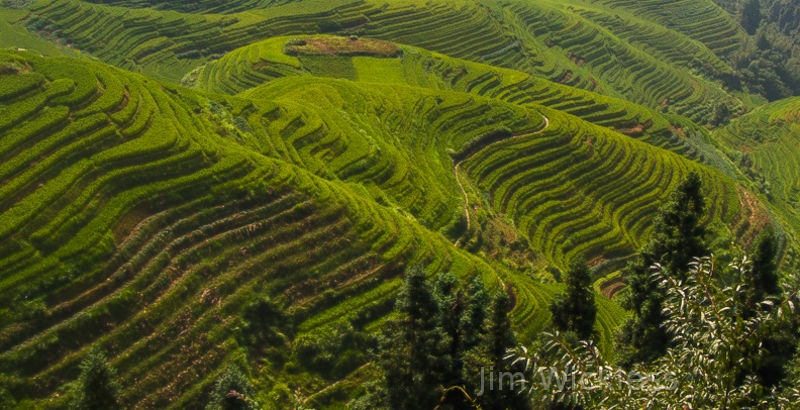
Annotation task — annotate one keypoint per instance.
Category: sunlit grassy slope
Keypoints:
(142, 216)
(193, 204)
(765, 144)
(644, 52)
(314, 191)
(546, 179)
(264, 61)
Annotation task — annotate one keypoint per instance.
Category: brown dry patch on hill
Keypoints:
(678, 130)
(610, 287)
(754, 211)
(637, 129)
(344, 46)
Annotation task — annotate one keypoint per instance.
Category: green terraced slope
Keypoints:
(581, 209)
(677, 67)
(186, 227)
(766, 146)
(700, 20)
(264, 61)
(195, 204)
(203, 6)
(188, 158)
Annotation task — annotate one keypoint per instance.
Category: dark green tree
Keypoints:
(762, 280)
(762, 42)
(264, 322)
(474, 315)
(677, 238)
(720, 114)
(450, 303)
(232, 391)
(413, 351)
(96, 387)
(575, 310)
(499, 338)
(776, 349)
(499, 335)
(434, 351)
(751, 16)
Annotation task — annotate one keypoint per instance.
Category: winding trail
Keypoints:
(458, 179)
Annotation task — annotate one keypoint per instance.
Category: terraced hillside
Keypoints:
(494, 163)
(703, 21)
(264, 61)
(574, 44)
(196, 204)
(185, 227)
(766, 146)
(191, 160)
(204, 6)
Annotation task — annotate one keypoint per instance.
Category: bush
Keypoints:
(329, 26)
(96, 387)
(331, 352)
(232, 391)
(265, 324)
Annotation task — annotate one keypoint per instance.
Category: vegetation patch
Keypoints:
(343, 46)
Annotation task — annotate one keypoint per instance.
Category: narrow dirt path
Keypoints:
(458, 179)
(464, 194)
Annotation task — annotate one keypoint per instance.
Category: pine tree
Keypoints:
(499, 336)
(751, 16)
(474, 315)
(232, 391)
(763, 278)
(575, 310)
(498, 340)
(450, 304)
(678, 237)
(412, 350)
(776, 349)
(96, 387)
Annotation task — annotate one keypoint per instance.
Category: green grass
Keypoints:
(312, 190)
(179, 217)
(764, 144)
(676, 67)
(141, 216)
(15, 36)
(264, 61)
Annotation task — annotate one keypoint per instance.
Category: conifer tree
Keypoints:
(412, 350)
(450, 304)
(774, 351)
(575, 310)
(474, 315)
(96, 387)
(762, 279)
(677, 238)
(751, 16)
(498, 340)
(499, 336)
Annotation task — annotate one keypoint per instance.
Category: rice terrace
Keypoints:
(399, 204)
